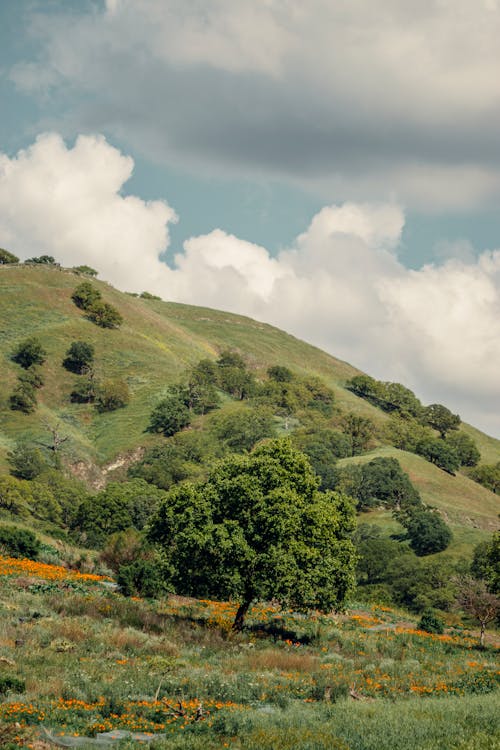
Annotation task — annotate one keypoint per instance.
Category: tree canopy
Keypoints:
(257, 529)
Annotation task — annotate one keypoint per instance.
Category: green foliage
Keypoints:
(123, 548)
(118, 507)
(427, 531)
(418, 583)
(23, 398)
(486, 562)
(241, 427)
(27, 461)
(186, 455)
(280, 374)
(259, 529)
(7, 258)
(383, 482)
(488, 475)
(29, 352)
(431, 622)
(85, 295)
(42, 260)
(406, 432)
(323, 447)
(19, 542)
(375, 554)
(360, 430)
(140, 578)
(33, 377)
(70, 492)
(233, 376)
(11, 684)
(14, 496)
(85, 270)
(111, 394)
(148, 295)
(440, 418)
(104, 315)
(84, 391)
(440, 453)
(79, 357)
(170, 415)
(465, 448)
(391, 397)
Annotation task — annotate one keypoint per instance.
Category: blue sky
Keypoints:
(334, 168)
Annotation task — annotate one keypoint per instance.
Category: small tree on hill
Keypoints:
(85, 295)
(427, 531)
(258, 529)
(478, 602)
(360, 430)
(170, 415)
(79, 357)
(7, 258)
(440, 418)
(27, 461)
(112, 394)
(465, 448)
(42, 260)
(23, 398)
(85, 270)
(29, 352)
(104, 315)
(440, 453)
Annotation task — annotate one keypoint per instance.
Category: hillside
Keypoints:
(155, 345)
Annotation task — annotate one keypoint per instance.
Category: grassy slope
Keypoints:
(155, 345)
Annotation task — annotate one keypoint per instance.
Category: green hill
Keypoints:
(155, 345)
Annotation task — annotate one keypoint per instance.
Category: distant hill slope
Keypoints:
(157, 342)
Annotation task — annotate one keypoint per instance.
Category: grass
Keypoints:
(94, 661)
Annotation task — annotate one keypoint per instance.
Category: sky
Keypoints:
(330, 167)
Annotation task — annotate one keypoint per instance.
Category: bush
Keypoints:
(79, 357)
(23, 398)
(86, 270)
(440, 453)
(140, 578)
(29, 352)
(112, 395)
(427, 531)
(104, 315)
(33, 376)
(84, 392)
(26, 461)
(85, 295)
(169, 416)
(19, 542)
(42, 260)
(431, 622)
(10, 684)
(465, 448)
(7, 258)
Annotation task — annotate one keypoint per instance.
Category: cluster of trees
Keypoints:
(107, 394)
(29, 355)
(7, 258)
(89, 299)
(488, 475)
(413, 426)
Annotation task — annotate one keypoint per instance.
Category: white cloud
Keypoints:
(340, 286)
(360, 101)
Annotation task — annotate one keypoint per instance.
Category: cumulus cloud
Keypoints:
(340, 285)
(389, 100)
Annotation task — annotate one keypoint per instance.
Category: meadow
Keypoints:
(92, 661)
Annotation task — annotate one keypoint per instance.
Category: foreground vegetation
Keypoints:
(88, 660)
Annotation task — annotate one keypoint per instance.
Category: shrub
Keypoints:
(140, 578)
(7, 258)
(148, 295)
(104, 315)
(440, 453)
(86, 270)
(169, 416)
(8, 684)
(26, 461)
(29, 352)
(19, 542)
(427, 531)
(42, 260)
(33, 376)
(23, 398)
(85, 295)
(112, 395)
(79, 357)
(465, 448)
(431, 622)
(84, 392)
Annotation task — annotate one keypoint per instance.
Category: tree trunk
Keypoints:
(240, 615)
(481, 637)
